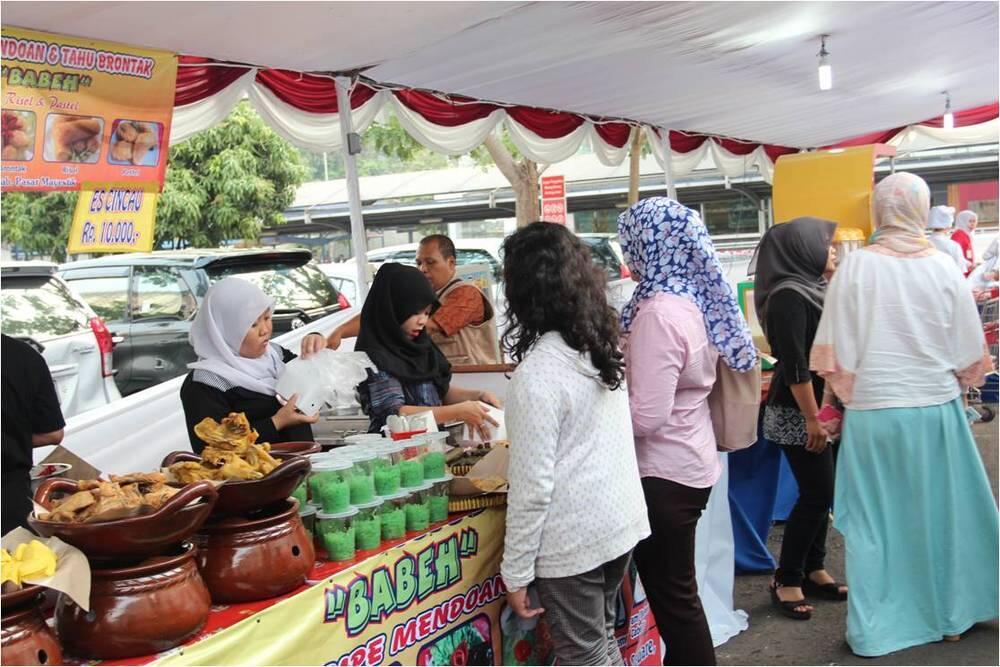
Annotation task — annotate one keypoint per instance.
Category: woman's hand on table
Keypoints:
(288, 415)
(476, 417)
(312, 343)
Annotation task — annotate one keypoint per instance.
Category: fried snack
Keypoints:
(144, 143)
(69, 507)
(232, 452)
(127, 132)
(122, 151)
(187, 472)
(122, 496)
(233, 433)
(140, 478)
(67, 134)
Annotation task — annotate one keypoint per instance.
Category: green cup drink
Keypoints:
(368, 525)
(307, 514)
(330, 484)
(392, 515)
(438, 499)
(418, 509)
(335, 534)
(434, 463)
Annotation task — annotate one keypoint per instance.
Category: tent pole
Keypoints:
(358, 243)
(668, 166)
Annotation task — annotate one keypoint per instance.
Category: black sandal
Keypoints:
(788, 608)
(829, 591)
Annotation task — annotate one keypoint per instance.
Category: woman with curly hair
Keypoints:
(682, 317)
(575, 508)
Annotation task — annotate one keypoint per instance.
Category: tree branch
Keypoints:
(502, 158)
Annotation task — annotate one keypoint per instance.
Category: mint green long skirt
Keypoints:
(920, 523)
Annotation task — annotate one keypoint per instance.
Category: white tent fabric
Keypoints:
(190, 119)
(736, 69)
(457, 140)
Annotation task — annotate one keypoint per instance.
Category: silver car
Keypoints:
(40, 308)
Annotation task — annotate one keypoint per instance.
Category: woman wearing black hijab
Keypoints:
(789, 288)
(412, 374)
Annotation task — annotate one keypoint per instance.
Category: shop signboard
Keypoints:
(76, 110)
(437, 599)
(114, 217)
(554, 199)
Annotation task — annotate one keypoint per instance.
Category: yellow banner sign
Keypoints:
(114, 217)
(434, 600)
(78, 110)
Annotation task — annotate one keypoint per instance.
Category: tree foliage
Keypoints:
(227, 182)
(387, 149)
(38, 223)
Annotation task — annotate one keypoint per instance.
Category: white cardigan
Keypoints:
(575, 499)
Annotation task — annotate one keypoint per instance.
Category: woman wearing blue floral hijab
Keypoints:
(682, 318)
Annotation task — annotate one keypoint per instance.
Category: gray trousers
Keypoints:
(580, 613)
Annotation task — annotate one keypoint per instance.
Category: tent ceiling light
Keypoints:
(949, 118)
(825, 69)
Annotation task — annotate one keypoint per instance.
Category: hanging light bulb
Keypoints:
(825, 69)
(949, 118)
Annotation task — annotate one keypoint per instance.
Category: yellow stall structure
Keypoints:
(834, 184)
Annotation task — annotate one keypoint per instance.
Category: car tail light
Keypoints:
(343, 302)
(625, 272)
(105, 343)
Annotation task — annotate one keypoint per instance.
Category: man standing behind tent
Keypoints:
(463, 327)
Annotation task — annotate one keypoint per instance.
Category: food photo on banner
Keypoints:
(76, 110)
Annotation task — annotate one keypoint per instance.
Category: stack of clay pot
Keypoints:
(25, 638)
(146, 593)
(254, 546)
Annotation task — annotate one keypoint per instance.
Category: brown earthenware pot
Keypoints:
(138, 610)
(241, 497)
(134, 538)
(303, 448)
(255, 558)
(25, 639)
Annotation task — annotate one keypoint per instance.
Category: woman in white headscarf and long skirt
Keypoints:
(900, 341)
(238, 366)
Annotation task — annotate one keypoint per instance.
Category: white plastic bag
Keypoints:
(327, 378)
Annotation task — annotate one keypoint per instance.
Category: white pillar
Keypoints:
(668, 166)
(358, 243)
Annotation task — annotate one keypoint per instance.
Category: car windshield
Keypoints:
(41, 308)
(292, 285)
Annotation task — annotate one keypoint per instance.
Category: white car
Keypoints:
(467, 251)
(39, 308)
(344, 276)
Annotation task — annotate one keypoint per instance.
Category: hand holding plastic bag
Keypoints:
(329, 377)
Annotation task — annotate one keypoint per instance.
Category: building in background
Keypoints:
(475, 202)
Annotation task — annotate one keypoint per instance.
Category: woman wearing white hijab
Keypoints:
(899, 342)
(238, 366)
(965, 226)
(939, 222)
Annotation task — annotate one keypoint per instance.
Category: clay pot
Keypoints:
(241, 497)
(134, 538)
(303, 448)
(25, 639)
(138, 610)
(255, 558)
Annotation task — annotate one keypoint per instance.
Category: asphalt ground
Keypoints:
(774, 640)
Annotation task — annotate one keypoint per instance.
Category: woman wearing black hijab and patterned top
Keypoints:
(789, 289)
(413, 376)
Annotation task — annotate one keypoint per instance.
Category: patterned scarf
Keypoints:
(900, 204)
(669, 250)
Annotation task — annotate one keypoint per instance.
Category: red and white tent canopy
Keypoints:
(743, 69)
